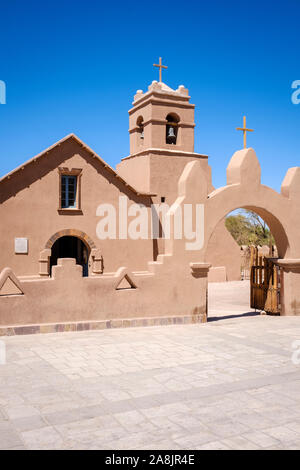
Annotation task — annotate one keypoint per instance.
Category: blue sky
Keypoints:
(73, 66)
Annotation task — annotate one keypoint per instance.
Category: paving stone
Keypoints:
(227, 384)
(261, 439)
(29, 423)
(21, 411)
(240, 443)
(195, 440)
(42, 439)
(283, 434)
(216, 445)
(9, 438)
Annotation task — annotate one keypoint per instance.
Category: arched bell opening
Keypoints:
(172, 128)
(140, 130)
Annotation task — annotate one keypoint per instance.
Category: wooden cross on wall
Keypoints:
(245, 130)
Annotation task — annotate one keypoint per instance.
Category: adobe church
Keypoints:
(57, 275)
(50, 202)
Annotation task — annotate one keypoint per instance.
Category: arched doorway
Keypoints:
(48, 257)
(70, 247)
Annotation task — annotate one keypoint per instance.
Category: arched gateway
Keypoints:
(244, 190)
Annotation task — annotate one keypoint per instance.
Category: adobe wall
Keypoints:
(160, 174)
(68, 297)
(223, 252)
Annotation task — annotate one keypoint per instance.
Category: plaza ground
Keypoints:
(227, 384)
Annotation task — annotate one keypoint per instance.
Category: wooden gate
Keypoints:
(265, 285)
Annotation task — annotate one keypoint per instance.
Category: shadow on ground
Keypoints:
(229, 300)
(227, 317)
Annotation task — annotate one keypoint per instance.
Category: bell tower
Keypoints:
(161, 118)
(161, 130)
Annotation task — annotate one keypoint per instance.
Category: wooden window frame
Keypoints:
(68, 181)
(76, 172)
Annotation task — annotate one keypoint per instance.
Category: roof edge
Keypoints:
(84, 146)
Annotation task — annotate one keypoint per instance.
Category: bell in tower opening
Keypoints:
(140, 126)
(172, 129)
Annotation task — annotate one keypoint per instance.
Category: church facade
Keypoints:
(49, 204)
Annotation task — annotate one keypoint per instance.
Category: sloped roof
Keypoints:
(85, 147)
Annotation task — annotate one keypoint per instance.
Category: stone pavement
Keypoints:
(227, 384)
(229, 300)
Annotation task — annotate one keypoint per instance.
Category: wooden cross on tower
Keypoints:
(160, 66)
(245, 130)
